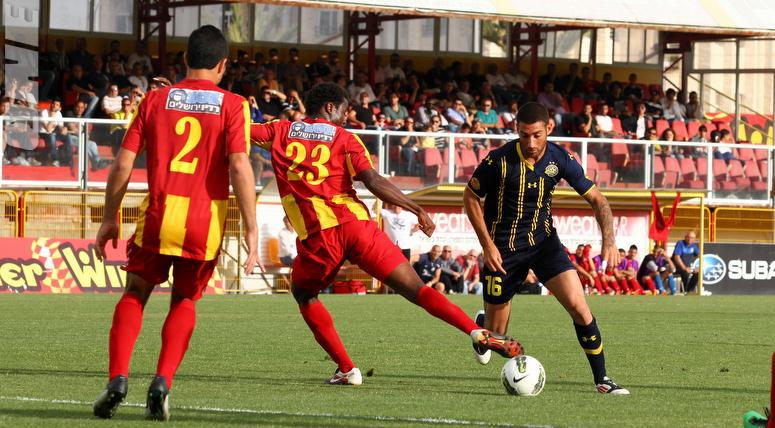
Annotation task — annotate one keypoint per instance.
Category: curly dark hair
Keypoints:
(322, 93)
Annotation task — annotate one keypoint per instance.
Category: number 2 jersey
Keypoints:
(188, 132)
(314, 163)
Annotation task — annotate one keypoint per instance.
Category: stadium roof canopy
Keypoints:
(731, 17)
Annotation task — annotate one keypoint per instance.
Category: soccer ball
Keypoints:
(523, 375)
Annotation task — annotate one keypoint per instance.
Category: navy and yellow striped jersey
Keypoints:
(518, 195)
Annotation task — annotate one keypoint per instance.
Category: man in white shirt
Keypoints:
(140, 55)
(391, 71)
(399, 226)
(604, 126)
(360, 85)
(287, 240)
(49, 130)
(672, 109)
(138, 78)
(111, 102)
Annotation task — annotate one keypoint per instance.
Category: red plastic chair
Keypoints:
(681, 133)
(661, 125)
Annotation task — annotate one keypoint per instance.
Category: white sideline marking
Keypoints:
(435, 421)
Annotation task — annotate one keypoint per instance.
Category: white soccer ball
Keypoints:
(524, 376)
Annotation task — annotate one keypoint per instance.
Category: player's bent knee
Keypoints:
(302, 295)
(404, 280)
(139, 287)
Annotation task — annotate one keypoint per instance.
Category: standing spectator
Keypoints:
(399, 225)
(287, 243)
(395, 112)
(294, 75)
(685, 254)
(471, 278)
(451, 272)
(604, 88)
(627, 271)
(489, 117)
(138, 78)
(694, 108)
(392, 70)
(570, 84)
(114, 50)
(319, 68)
(58, 58)
(428, 267)
(672, 109)
(83, 87)
(360, 85)
(457, 115)
(633, 91)
(334, 65)
(140, 55)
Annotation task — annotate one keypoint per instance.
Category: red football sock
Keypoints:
(623, 284)
(615, 286)
(319, 321)
(127, 322)
(175, 336)
(599, 285)
(437, 305)
(635, 286)
(650, 284)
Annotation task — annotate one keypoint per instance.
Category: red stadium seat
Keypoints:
(760, 154)
(764, 169)
(702, 168)
(719, 169)
(745, 154)
(482, 153)
(617, 125)
(751, 170)
(604, 178)
(693, 128)
(689, 175)
(659, 171)
(577, 105)
(724, 125)
(661, 125)
(620, 154)
(433, 164)
(468, 163)
(679, 127)
(737, 176)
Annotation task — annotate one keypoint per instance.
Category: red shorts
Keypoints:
(189, 276)
(361, 242)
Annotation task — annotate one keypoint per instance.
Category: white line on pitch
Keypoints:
(435, 421)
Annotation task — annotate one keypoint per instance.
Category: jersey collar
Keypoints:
(523, 159)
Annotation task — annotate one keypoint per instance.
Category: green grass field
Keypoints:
(688, 361)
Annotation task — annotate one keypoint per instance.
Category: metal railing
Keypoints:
(642, 169)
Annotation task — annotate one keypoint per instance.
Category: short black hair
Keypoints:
(531, 113)
(322, 93)
(724, 132)
(634, 247)
(206, 47)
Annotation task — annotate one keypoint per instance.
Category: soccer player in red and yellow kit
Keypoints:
(196, 137)
(315, 162)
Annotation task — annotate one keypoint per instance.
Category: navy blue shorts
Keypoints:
(547, 259)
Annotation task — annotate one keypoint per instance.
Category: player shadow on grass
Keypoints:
(585, 387)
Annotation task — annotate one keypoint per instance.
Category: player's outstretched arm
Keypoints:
(118, 180)
(387, 192)
(473, 206)
(243, 182)
(605, 219)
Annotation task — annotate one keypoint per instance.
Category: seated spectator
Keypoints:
(685, 254)
(633, 91)
(360, 85)
(475, 77)
(570, 84)
(117, 77)
(553, 102)
(654, 106)
(138, 78)
(392, 70)
(382, 122)
(333, 64)
(83, 87)
(478, 128)
(126, 113)
(549, 77)
(287, 243)
(604, 88)
(489, 117)
(636, 125)
(585, 123)
(627, 271)
(361, 116)
(424, 113)
(666, 150)
(497, 84)
(73, 130)
(606, 275)
(464, 143)
(604, 126)
(294, 103)
(509, 116)
(515, 79)
(723, 152)
(319, 68)
(694, 108)
(80, 56)
(98, 79)
(140, 55)
(395, 113)
(271, 103)
(589, 264)
(52, 130)
(701, 137)
(457, 115)
(21, 93)
(428, 267)
(270, 81)
(439, 142)
(583, 270)
(616, 100)
(655, 270)
(471, 278)
(293, 74)
(464, 93)
(256, 116)
(409, 146)
(451, 272)
(672, 109)
(111, 102)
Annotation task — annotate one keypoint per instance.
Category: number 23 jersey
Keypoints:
(314, 163)
(188, 132)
